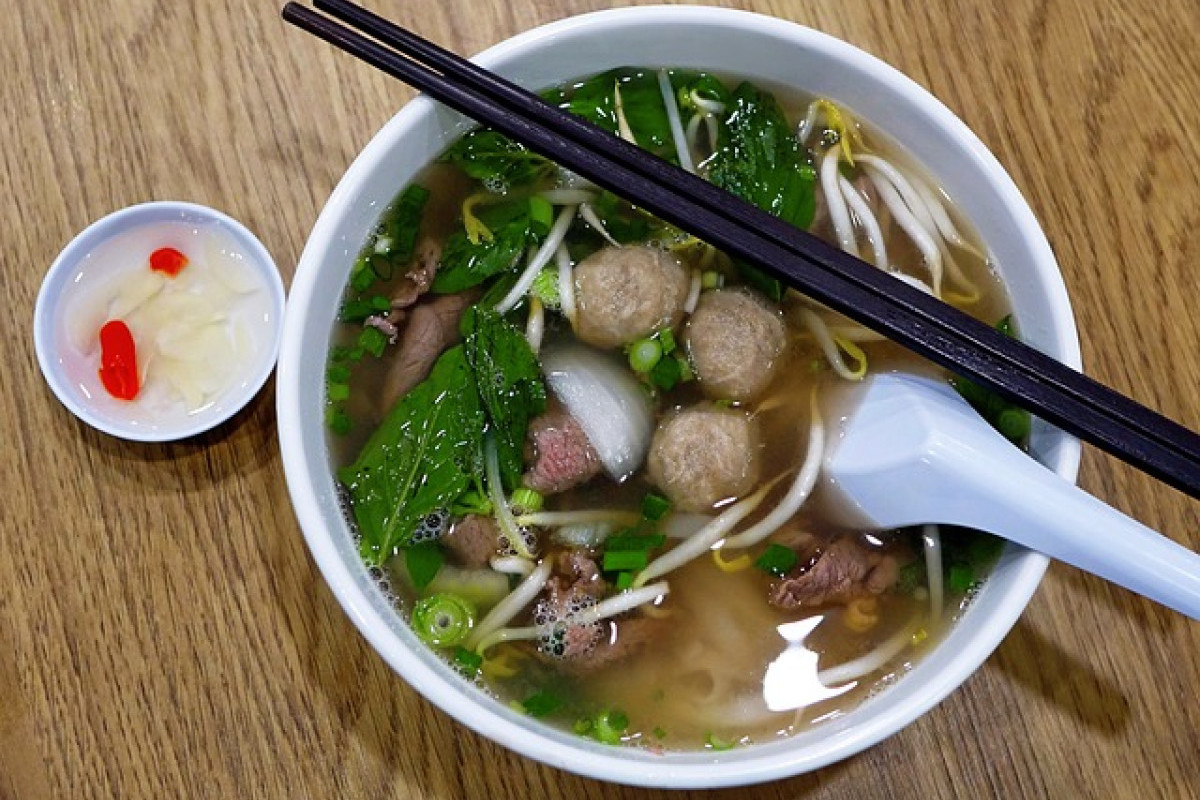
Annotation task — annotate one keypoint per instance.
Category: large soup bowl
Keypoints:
(774, 53)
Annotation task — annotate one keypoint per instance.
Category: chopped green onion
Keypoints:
(666, 373)
(358, 309)
(1014, 424)
(655, 507)
(541, 214)
(373, 341)
(618, 560)
(685, 370)
(337, 420)
(541, 704)
(606, 726)
(337, 391)
(666, 339)
(644, 354)
(710, 279)
(337, 373)
(624, 581)
(912, 575)
(714, 742)
(527, 501)
(545, 288)
(467, 660)
(960, 578)
(777, 559)
(442, 620)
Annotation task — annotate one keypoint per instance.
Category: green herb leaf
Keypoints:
(509, 382)
(423, 561)
(496, 160)
(641, 101)
(464, 264)
(760, 160)
(424, 455)
(391, 244)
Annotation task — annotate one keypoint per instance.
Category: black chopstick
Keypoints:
(924, 324)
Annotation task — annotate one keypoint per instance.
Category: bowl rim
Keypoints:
(731, 768)
(114, 224)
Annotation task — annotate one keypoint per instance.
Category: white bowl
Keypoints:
(727, 42)
(108, 248)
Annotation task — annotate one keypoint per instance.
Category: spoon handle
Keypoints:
(1022, 501)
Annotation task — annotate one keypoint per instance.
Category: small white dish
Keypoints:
(108, 252)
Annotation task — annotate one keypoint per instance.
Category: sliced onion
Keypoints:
(609, 404)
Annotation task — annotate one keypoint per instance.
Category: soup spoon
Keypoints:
(912, 451)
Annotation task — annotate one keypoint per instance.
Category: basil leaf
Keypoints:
(641, 101)
(425, 454)
(509, 381)
(496, 160)
(759, 159)
(465, 264)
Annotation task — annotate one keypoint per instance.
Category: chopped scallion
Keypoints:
(620, 560)
(777, 559)
(655, 507)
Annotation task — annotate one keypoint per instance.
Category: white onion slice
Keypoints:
(609, 404)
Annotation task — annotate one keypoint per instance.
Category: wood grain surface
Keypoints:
(163, 630)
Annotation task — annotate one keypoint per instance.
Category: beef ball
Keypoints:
(704, 454)
(735, 341)
(626, 293)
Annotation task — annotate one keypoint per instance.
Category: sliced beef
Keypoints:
(836, 573)
(419, 277)
(431, 328)
(621, 640)
(473, 541)
(560, 452)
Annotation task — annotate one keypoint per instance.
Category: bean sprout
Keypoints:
(839, 215)
(681, 146)
(558, 232)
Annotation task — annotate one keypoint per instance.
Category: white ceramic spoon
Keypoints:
(912, 451)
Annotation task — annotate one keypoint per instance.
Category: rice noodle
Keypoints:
(511, 605)
(829, 346)
(839, 215)
(558, 232)
(933, 569)
(866, 219)
(705, 538)
(681, 146)
(799, 491)
(566, 282)
(876, 659)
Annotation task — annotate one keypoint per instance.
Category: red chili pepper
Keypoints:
(118, 360)
(168, 260)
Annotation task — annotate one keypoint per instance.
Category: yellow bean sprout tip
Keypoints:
(732, 565)
(476, 231)
(856, 355)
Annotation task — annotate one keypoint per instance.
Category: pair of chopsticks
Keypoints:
(924, 324)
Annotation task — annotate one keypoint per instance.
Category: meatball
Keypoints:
(625, 293)
(735, 341)
(705, 454)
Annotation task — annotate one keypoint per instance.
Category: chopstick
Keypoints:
(924, 324)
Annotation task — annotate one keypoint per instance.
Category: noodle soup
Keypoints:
(580, 447)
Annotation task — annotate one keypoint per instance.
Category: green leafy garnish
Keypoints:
(496, 160)
(542, 704)
(607, 726)
(641, 102)
(468, 661)
(442, 620)
(423, 561)
(515, 225)
(424, 455)
(760, 160)
(509, 382)
(777, 560)
(628, 560)
(391, 244)
(655, 506)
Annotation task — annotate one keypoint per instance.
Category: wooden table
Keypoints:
(163, 631)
